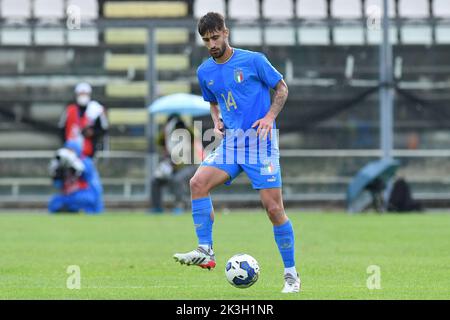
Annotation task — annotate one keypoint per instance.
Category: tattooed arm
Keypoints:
(265, 124)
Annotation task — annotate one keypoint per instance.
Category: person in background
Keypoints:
(84, 121)
(399, 197)
(77, 180)
(176, 176)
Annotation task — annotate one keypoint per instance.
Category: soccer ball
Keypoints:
(242, 270)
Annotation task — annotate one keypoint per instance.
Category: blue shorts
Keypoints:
(263, 173)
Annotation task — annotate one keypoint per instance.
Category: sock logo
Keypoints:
(285, 243)
(198, 225)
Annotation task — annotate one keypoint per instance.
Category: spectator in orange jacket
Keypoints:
(84, 121)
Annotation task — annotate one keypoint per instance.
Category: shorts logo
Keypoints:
(238, 75)
(268, 168)
(211, 82)
(272, 179)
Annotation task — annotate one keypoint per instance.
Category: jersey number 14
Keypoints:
(229, 102)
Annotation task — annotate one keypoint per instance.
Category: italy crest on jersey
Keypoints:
(238, 75)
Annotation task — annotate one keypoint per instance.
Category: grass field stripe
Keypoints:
(410, 249)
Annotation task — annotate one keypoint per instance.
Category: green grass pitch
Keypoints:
(129, 256)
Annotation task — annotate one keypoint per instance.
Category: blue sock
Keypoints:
(284, 237)
(201, 213)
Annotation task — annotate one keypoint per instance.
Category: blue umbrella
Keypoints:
(358, 190)
(181, 103)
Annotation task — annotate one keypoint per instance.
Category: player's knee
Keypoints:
(197, 185)
(276, 213)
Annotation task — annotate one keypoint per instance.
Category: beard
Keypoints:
(218, 53)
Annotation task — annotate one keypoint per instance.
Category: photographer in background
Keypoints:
(84, 121)
(78, 181)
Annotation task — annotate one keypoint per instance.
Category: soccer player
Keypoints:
(237, 85)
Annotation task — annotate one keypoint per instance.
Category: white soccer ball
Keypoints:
(242, 270)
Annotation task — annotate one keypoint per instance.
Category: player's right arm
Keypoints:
(218, 124)
(214, 105)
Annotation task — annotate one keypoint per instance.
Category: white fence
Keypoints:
(308, 175)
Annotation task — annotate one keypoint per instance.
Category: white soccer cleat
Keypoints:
(291, 284)
(198, 257)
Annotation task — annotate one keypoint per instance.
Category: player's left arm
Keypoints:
(265, 124)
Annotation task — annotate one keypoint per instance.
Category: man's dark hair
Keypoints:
(210, 22)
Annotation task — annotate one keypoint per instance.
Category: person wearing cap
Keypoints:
(84, 120)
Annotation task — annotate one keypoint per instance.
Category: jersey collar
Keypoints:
(231, 56)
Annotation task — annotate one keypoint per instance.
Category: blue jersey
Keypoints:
(241, 87)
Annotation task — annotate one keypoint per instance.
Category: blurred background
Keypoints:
(133, 52)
